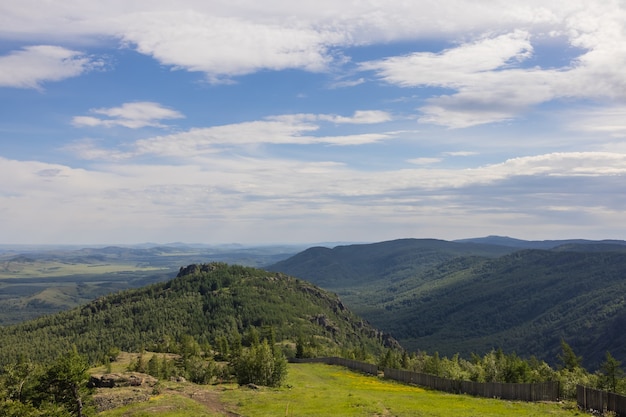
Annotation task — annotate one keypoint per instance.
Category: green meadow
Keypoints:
(44, 269)
(321, 390)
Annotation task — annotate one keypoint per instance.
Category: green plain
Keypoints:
(322, 390)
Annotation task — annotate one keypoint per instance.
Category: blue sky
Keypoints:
(296, 122)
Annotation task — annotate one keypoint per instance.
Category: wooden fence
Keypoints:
(541, 391)
(600, 401)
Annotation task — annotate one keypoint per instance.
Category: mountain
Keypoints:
(539, 244)
(357, 265)
(208, 302)
(36, 281)
(433, 298)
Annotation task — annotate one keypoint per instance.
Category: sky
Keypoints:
(275, 121)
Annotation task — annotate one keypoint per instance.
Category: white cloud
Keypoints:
(360, 117)
(34, 65)
(561, 164)
(225, 39)
(348, 83)
(460, 153)
(226, 46)
(424, 161)
(489, 86)
(609, 121)
(490, 80)
(453, 68)
(153, 202)
(133, 115)
(485, 66)
(274, 130)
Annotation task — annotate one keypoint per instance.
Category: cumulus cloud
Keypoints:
(227, 46)
(484, 73)
(133, 115)
(226, 39)
(32, 66)
(490, 78)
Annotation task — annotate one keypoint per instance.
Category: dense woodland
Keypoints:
(466, 297)
(211, 303)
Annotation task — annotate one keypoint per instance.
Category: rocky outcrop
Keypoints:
(195, 268)
(134, 379)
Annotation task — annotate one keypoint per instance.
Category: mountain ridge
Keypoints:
(538, 244)
(521, 300)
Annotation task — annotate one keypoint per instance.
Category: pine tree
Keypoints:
(66, 382)
(568, 358)
(611, 371)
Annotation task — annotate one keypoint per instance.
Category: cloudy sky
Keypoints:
(279, 121)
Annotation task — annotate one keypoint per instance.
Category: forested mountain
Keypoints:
(214, 303)
(541, 244)
(35, 281)
(364, 264)
(526, 301)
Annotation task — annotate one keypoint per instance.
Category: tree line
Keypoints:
(59, 388)
(497, 366)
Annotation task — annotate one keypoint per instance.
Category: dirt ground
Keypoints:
(209, 397)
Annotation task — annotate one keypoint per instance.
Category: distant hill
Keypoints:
(455, 297)
(356, 265)
(206, 301)
(540, 244)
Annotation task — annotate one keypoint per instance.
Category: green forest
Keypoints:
(210, 302)
(470, 297)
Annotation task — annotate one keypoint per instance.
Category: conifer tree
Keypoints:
(611, 371)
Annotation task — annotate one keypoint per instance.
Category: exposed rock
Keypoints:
(323, 321)
(133, 379)
(195, 268)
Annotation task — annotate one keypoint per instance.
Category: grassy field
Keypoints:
(42, 269)
(164, 405)
(322, 390)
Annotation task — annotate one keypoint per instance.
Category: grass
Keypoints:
(321, 390)
(44, 269)
(163, 405)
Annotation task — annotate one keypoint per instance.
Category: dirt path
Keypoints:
(211, 400)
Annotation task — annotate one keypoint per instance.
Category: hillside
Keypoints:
(35, 281)
(364, 264)
(206, 301)
(541, 244)
(522, 302)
